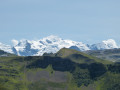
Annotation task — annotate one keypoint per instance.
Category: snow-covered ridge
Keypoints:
(48, 44)
(52, 44)
(110, 43)
(106, 44)
(6, 48)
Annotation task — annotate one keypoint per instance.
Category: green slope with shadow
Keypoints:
(66, 70)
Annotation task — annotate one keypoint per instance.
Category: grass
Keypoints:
(94, 75)
(79, 57)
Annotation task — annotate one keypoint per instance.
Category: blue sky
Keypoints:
(89, 21)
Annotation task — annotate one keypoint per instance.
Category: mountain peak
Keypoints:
(64, 52)
(6, 48)
(52, 44)
(52, 38)
(106, 44)
(110, 43)
(15, 42)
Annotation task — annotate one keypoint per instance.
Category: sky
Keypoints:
(88, 21)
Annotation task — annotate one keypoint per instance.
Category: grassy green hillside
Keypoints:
(66, 70)
(79, 57)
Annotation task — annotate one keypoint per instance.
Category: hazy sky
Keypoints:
(88, 21)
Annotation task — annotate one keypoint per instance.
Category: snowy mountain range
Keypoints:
(52, 44)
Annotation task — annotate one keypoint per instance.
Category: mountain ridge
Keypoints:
(52, 44)
(68, 70)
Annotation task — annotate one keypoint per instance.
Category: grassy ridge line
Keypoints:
(67, 53)
(76, 80)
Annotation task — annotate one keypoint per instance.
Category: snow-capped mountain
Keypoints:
(108, 44)
(6, 48)
(48, 44)
(52, 44)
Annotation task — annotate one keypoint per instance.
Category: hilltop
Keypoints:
(59, 72)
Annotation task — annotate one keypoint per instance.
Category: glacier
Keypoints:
(52, 44)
